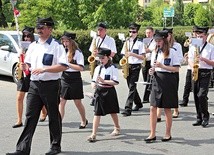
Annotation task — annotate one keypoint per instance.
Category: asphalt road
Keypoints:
(186, 139)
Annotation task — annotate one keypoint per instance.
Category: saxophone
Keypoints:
(124, 61)
(195, 65)
(210, 38)
(91, 58)
(19, 72)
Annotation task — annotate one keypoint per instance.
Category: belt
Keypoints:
(104, 86)
(48, 81)
(134, 64)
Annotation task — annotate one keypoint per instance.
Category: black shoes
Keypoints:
(183, 104)
(42, 119)
(126, 113)
(146, 101)
(197, 123)
(18, 153)
(83, 127)
(53, 151)
(136, 108)
(158, 119)
(166, 139)
(204, 123)
(150, 140)
(17, 125)
(175, 115)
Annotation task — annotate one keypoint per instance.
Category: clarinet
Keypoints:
(152, 76)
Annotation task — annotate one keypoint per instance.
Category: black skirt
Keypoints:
(71, 86)
(23, 84)
(106, 101)
(164, 93)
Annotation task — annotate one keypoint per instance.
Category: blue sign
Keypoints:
(168, 12)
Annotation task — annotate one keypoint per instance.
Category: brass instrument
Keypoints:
(210, 38)
(91, 58)
(19, 72)
(187, 42)
(124, 61)
(196, 64)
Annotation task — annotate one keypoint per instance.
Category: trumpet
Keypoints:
(124, 61)
(91, 58)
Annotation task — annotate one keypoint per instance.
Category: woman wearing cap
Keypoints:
(24, 83)
(106, 101)
(178, 48)
(164, 94)
(71, 81)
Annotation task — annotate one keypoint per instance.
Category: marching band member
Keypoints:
(46, 59)
(188, 82)
(106, 101)
(145, 70)
(178, 48)
(201, 85)
(71, 81)
(24, 83)
(135, 56)
(103, 40)
(165, 63)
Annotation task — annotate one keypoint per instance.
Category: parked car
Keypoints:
(9, 53)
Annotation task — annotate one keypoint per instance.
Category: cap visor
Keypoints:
(39, 26)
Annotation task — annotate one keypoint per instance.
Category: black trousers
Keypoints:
(200, 90)
(146, 78)
(39, 94)
(187, 86)
(131, 80)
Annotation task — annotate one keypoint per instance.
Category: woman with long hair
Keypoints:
(71, 81)
(165, 64)
(179, 52)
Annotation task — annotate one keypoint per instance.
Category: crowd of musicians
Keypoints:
(51, 74)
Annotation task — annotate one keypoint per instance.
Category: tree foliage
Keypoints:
(201, 17)
(85, 14)
(179, 9)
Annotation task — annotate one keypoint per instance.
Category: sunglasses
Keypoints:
(132, 31)
(28, 36)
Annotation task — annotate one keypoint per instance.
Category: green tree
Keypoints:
(201, 17)
(189, 13)
(179, 10)
(3, 22)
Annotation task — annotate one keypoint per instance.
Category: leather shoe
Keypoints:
(126, 113)
(197, 123)
(42, 119)
(146, 101)
(183, 104)
(158, 119)
(175, 116)
(83, 127)
(53, 151)
(166, 139)
(17, 125)
(136, 108)
(18, 153)
(204, 123)
(150, 140)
